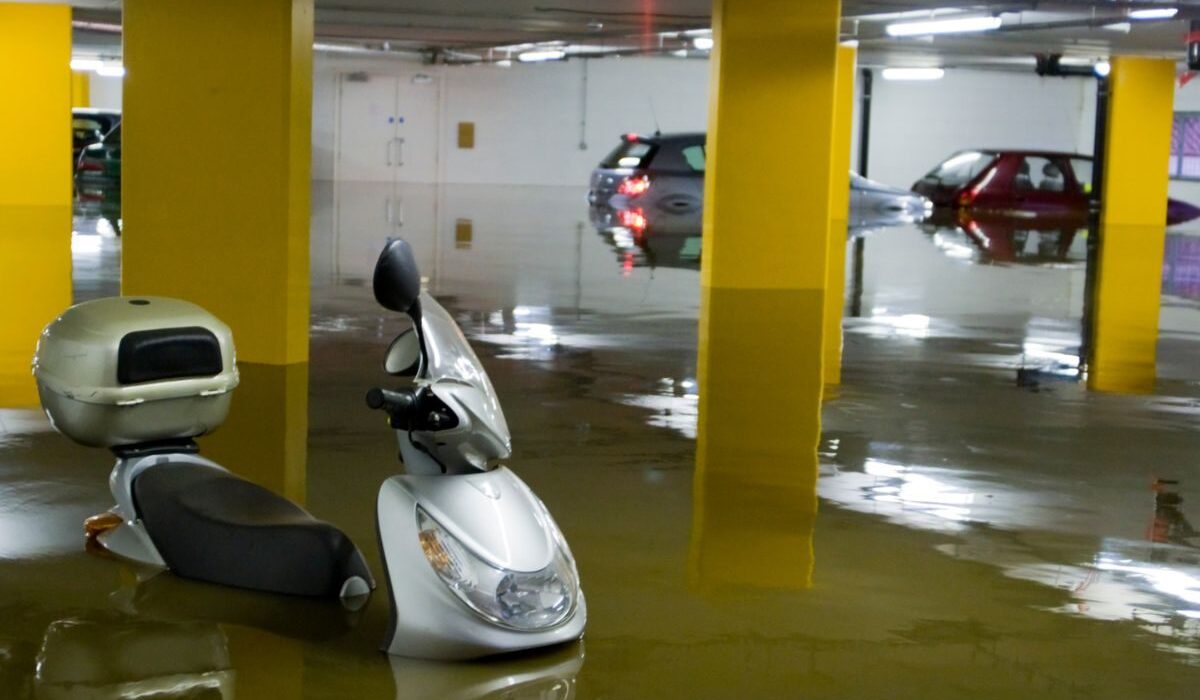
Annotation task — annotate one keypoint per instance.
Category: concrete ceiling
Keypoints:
(464, 29)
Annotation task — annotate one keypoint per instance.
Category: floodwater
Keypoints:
(983, 525)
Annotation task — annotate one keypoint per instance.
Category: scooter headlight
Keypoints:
(526, 601)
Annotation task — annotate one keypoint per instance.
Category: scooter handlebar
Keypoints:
(409, 409)
(398, 404)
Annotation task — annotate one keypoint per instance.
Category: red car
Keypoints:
(1042, 185)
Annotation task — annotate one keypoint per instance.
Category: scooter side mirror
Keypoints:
(397, 280)
(403, 357)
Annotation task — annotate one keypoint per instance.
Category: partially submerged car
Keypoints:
(659, 180)
(670, 164)
(100, 163)
(98, 180)
(89, 126)
(1042, 185)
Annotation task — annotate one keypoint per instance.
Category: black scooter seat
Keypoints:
(212, 526)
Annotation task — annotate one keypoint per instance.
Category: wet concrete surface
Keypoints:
(974, 535)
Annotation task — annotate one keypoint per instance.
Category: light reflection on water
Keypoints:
(591, 320)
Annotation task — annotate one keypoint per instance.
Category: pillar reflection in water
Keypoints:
(35, 286)
(264, 439)
(111, 656)
(755, 499)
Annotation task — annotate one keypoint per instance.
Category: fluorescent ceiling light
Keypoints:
(86, 63)
(955, 25)
(913, 73)
(111, 71)
(541, 55)
(1154, 13)
(704, 43)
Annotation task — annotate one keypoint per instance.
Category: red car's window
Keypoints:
(960, 168)
(1083, 173)
(1038, 174)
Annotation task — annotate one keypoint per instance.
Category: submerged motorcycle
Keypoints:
(475, 563)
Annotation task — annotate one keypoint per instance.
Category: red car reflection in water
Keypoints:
(1039, 185)
(997, 239)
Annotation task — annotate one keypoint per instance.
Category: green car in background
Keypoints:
(98, 180)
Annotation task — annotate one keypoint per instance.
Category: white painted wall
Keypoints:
(551, 124)
(546, 124)
(104, 92)
(915, 125)
(529, 118)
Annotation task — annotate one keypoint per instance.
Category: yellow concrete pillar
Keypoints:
(839, 212)
(81, 93)
(35, 186)
(763, 280)
(265, 437)
(216, 157)
(1132, 225)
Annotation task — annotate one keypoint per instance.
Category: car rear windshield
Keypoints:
(630, 154)
(960, 168)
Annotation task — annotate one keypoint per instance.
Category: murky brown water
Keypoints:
(971, 537)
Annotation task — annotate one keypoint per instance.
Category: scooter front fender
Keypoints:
(497, 517)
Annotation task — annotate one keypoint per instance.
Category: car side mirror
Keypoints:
(403, 357)
(397, 282)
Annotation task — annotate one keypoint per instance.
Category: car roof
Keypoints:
(682, 137)
(1028, 152)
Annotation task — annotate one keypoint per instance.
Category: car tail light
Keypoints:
(91, 166)
(630, 137)
(634, 186)
(633, 219)
(969, 196)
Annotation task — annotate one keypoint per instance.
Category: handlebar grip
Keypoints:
(396, 403)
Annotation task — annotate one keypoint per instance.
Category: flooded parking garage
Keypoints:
(975, 529)
(689, 348)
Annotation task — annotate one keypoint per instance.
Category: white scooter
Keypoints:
(474, 561)
(476, 565)
(142, 376)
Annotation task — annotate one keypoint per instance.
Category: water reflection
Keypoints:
(667, 238)
(102, 657)
(546, 675)
(759, 420)
(97, 207)
(154, 594)
(1153, 583)
(998, 239)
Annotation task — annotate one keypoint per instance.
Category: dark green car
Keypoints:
(98, 180)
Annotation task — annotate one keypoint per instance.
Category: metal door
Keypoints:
(366, 128)
(417, 128)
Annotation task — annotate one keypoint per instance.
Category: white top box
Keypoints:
(127, 370)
